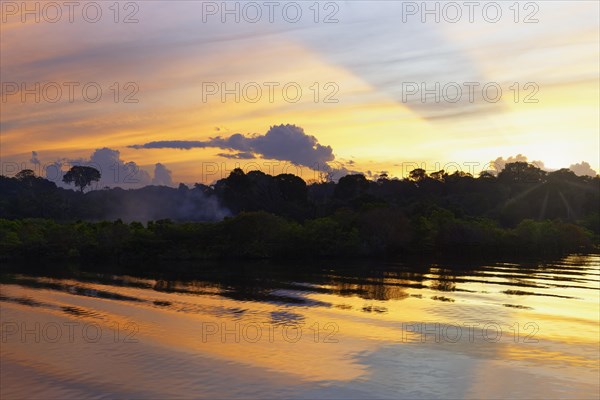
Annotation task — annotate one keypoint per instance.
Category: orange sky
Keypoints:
(364, 62)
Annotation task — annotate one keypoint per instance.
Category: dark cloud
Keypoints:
(281, 142)
(583, 168)
(171, 144)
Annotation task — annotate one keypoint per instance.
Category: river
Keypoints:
(392, 330)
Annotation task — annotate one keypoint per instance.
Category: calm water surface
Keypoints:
(400, 330)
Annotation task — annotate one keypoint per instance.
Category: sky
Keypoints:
(188, 92)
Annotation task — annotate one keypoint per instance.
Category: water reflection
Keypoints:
(362, 330)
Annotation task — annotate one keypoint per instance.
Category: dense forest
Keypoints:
(255, 215)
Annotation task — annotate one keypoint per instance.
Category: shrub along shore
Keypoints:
(379, 232)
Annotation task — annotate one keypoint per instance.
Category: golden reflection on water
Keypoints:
(329, 334)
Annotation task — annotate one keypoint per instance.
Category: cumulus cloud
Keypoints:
(281, 142)
(498, 164)
(116, 172)
(582, 168)
(151, 203)
(162, 176)
(113, 171)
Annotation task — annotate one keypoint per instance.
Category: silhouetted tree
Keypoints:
(81, 176)
(563, 175)
(417, 175)
(351, 186)
(25, 174)
(486, 175)
(438, 175)
(521, 172)
(292, 187)
(383, 178)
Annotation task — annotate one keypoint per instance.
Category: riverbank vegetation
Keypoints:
(255, 215)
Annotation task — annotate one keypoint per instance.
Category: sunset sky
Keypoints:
(367, 61)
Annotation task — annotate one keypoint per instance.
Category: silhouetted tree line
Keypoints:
(523, 209)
